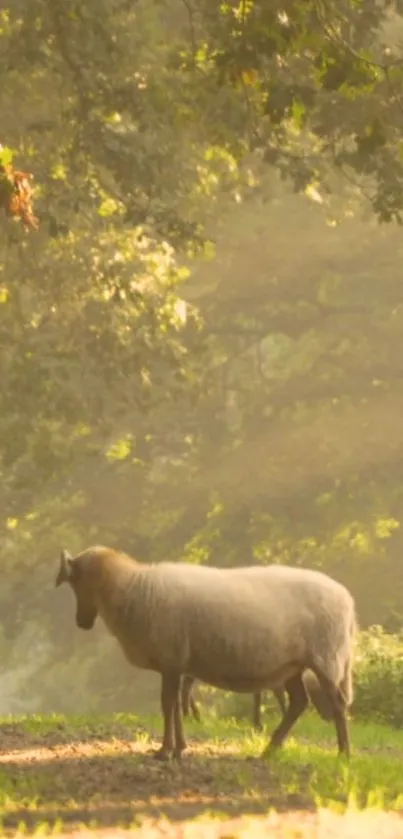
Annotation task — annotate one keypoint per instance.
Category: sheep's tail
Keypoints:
(346, 686)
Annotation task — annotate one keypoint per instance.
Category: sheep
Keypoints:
(315, 693)
(189, 703)
(241, 629)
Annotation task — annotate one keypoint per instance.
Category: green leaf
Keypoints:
(6, 155)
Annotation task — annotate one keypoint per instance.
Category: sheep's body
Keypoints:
(245, 629)
(217, 624)
(312, 687)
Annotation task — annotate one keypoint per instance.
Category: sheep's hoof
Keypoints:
(177, 755)
(161, 754)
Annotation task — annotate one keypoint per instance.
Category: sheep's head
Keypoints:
(73, 571)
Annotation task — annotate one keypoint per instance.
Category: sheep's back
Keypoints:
(246, 621)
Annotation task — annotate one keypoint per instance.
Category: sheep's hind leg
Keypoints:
(338, 705)
(194, 708)
(297, 705)
(257, 717)
(187, 698)
(279, 694)
(169, 699)
(186, 694)
(180, 742)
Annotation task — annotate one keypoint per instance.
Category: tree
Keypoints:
(318, 85)
(235, 408)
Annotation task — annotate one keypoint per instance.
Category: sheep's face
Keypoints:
(72, 571)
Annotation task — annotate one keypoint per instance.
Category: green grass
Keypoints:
(372, 777)
(57, 771)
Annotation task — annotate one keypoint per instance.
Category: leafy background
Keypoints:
(201, 347)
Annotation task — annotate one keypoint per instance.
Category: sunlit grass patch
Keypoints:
(309, 761)
(333, 782)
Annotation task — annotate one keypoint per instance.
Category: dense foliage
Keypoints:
(195, 361)
(379, 677)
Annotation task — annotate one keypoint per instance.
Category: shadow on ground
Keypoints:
(117, 781)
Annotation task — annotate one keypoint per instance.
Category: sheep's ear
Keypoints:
(66, 568)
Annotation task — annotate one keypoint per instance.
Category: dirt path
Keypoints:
(118, 781)
(110, 782)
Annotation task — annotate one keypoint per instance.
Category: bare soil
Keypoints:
(110, 783)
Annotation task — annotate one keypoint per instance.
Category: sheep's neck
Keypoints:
(115, 606)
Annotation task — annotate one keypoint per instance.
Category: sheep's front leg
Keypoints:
(169, 699)
(180, 742)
